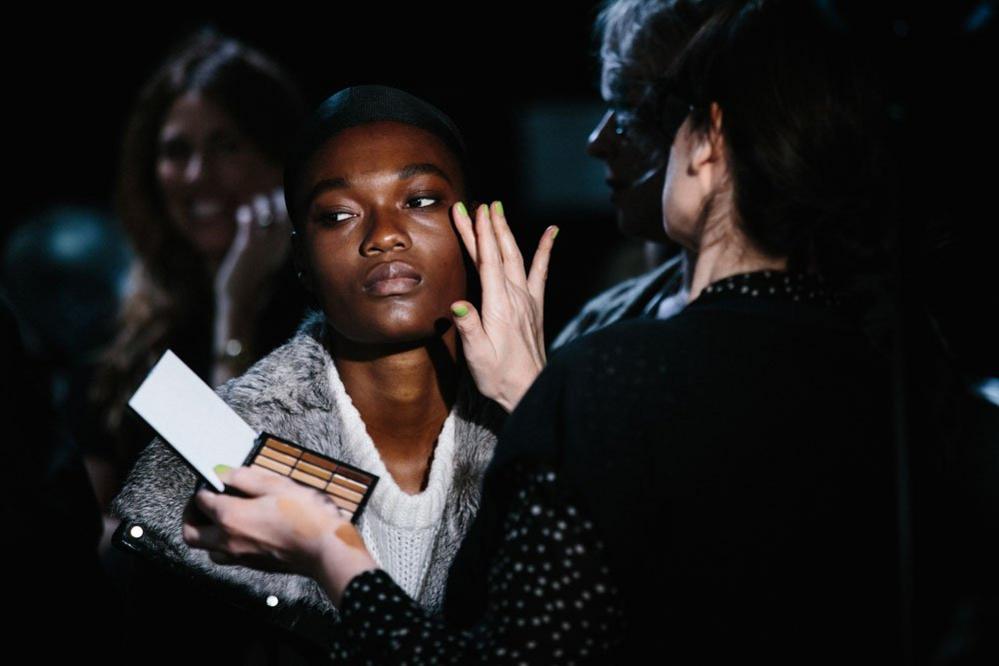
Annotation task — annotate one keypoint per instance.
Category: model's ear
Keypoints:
(301, 261)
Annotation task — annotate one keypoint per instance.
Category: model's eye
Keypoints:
(422, 202)
(334, 217)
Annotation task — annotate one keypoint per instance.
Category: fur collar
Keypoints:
(287, 393)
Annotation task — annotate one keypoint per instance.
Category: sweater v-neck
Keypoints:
(393, 505)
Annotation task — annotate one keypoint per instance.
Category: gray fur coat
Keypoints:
(287, 393)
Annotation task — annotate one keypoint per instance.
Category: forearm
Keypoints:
(342, 559)
(550, 600)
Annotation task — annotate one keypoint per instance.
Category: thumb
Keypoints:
(250, 480)
(474, 340)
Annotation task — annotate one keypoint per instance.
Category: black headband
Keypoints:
(358, 105)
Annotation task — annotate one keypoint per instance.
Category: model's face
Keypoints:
(206, 169)
(379, 245)
(633, 159)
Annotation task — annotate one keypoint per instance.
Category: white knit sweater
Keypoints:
(399, 529)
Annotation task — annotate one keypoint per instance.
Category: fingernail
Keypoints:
(484, 207)
(555, 233)
(221, 468)
(499, 208)
(459, 310)
(461, 208)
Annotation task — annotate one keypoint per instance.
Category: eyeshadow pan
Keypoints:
(344, 504)
(313, 481)
(280, 457)
(350, 495)
(319, 462)
(344, 482)
(316, 471)
(272, 465)
(275, 443)
(360, 477)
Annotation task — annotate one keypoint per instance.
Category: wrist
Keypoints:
(512, 393)
(337, 563)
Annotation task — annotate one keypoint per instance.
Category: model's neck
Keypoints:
(400, 390)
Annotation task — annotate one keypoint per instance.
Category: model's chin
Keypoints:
(398, 331)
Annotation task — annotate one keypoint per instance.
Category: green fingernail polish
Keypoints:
(499, 208)
(555, 233)
(221, 468)
(461, 207)
(459, 310)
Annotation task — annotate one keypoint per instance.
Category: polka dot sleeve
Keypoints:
(551, 598)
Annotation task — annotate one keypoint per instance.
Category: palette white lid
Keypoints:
(192, 418)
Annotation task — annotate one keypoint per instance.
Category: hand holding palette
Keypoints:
(348, 486)
(205, 431)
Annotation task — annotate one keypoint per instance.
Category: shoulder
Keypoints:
(292, 377)
(628, 342)
(624, 300)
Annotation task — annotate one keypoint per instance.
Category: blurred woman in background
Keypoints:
(199, 195)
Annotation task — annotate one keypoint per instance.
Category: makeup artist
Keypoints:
(721, 482)
(373, 378)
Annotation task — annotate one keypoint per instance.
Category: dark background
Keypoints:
(520, 79)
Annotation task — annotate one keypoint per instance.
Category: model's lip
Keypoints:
(392, 277)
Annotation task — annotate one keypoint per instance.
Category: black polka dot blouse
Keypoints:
(551, 599)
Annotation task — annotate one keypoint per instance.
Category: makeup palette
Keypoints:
(349, 487)
(206, 432)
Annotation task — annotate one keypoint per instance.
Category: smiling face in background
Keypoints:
(381, 252)
(206, 169)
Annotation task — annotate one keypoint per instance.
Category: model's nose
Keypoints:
(386, 232)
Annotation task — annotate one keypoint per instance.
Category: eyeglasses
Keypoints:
(627, 122)
(655, 118)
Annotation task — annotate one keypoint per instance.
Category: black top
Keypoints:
(736, 463)
(737, 459)
(551, 600)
